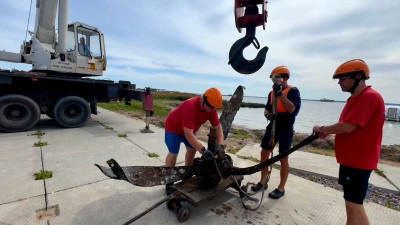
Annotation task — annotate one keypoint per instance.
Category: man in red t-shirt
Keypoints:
(182, 124)
(358, 136)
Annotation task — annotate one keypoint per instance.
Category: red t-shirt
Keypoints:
(189, 115)
(361, 148)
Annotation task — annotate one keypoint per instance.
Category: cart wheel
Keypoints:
(183, 214)
(173, 203)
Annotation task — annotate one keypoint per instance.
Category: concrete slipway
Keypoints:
(85, 196)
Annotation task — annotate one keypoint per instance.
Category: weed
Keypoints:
(380, 172)
(241, 134)
(40, 144)
(153, 155)
(233, 150)
(42, 175)
(161, 107)
(122, 135)
(312, 178)
(249, 158)
(109, 128)
(38, 133)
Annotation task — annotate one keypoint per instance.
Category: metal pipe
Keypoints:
(62, 26)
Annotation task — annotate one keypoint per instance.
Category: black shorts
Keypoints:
(354, 182)
(283, 137)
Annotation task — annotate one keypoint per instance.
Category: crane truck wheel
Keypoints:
(71, 111)
(18, 113)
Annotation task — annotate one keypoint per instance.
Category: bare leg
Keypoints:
(356, 214)
(170, 160)
(284, 173)
(264, 157)
(189, 157)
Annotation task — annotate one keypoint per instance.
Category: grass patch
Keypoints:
(122, 135)
(40, 144)
(109, 128)
(161, 108)
(312, 178)
(233, 150)
(39, 133)
(249, 158)
(380, 172)
(242, 134)
(389, 204)
(153, 155)
(172, 96)
(42, 175)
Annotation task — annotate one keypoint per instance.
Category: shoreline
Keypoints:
(240, 136)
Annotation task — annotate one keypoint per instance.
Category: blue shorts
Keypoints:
(354, 182)
(173, 142)
(284, 137)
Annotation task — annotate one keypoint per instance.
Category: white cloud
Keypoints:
(183, 45)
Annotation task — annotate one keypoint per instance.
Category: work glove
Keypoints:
(207, 154)
(277, 89)
(220, 151)
(277, 79)
(270, 116)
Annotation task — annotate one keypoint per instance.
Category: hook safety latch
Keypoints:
(247, 16)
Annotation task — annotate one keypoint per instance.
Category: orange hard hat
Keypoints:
(213, 98)
(351, 68)
(281, 70)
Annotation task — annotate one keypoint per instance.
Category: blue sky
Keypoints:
(183, 45)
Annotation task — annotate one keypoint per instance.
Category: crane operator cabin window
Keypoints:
(88, 43)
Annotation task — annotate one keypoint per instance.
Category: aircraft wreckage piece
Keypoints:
(212, 171)
(148, 176)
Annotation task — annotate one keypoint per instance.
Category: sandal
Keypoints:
(276, 194)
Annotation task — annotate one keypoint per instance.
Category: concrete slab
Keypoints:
(22, 212)
(86, 196)
(115, 202)
(18, 162)
(152, 142)
(72, 153)
(321, 164)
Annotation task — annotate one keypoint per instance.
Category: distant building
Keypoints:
(392, 113)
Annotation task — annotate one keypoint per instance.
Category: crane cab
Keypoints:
(75, 50)
(86, 49)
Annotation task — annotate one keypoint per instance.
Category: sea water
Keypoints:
(311, 113)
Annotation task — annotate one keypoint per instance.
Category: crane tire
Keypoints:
(71, 111)
(18, 113)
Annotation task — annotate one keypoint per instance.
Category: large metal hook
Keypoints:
(236, 58)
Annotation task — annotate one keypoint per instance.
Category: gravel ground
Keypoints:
(381, 196)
